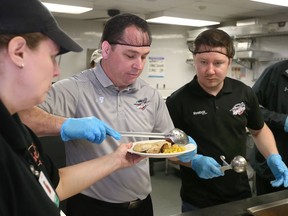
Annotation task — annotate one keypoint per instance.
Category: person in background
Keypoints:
(112, 92)
(95, 58)
(30, 40)
(215, 110)
(271, 90)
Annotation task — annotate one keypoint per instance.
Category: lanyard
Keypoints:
(36, 167)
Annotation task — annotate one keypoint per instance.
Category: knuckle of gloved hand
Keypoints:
(89, 136)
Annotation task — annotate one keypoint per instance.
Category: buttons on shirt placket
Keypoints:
(119, 100)
(215, 104)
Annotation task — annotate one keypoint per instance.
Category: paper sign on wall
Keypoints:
(156, 67)
(238, 72)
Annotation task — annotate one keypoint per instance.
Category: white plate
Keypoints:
(189, 148)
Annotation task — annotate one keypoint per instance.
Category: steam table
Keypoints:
(238, 208)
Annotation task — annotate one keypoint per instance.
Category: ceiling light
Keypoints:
(172, 19)
(61, 8)
(181, 21)
(274, 2)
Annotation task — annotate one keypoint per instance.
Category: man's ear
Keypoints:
(16, 48)
(105, 49)
(230, 61)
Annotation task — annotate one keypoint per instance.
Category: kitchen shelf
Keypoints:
(256, 55)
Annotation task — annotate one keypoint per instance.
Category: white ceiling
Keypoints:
(219, 10)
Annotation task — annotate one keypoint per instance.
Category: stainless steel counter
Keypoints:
(239, 208)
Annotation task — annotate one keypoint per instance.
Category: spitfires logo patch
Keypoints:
(142, 103)
(238, 109)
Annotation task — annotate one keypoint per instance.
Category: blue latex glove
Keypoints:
(206, 167)
(89, 128)
(286, 125)
(187, 157)
(279, 170)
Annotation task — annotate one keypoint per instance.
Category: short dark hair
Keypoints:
(214, 38)
(115, 27)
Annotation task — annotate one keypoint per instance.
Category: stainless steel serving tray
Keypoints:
(278, 208)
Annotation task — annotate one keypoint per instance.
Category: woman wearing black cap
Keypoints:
(30, 39)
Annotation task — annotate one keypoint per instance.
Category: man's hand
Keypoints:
(89, 128)
(206, 167)
(279, 170)
(187, 157)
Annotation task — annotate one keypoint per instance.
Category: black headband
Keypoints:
(126, 44)
(199, 52)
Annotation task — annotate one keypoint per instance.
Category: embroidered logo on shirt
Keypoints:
(101, 99)
(238, 109)
(285, 89)
(35, 154)
(142, 104)
(202, 112)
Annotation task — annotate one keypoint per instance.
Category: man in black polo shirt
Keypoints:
(216, 110)
(271, 90)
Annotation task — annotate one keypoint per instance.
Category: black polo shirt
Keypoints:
(20, 191)
(218, 125)
(272, 91)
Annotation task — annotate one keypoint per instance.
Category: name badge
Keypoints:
(48, 189)
(62, 213)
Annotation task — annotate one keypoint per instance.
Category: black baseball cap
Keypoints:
(28, 16)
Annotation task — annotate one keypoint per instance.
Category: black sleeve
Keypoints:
(174, 112)
(266, 90)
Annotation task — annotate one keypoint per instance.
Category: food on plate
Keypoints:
(175, 148)
(157, 147)
(152, 147)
